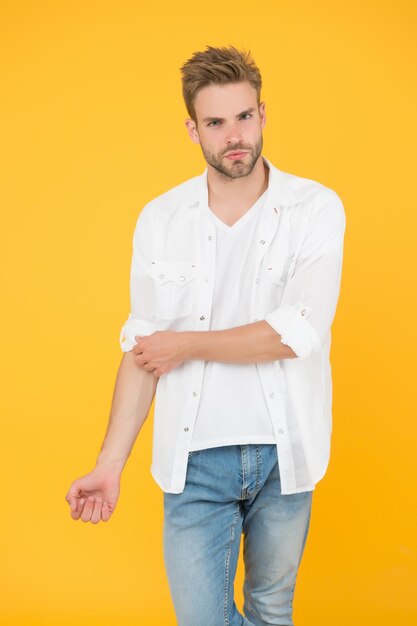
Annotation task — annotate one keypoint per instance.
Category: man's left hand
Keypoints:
(161, 351)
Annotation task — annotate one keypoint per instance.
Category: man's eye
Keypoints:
(217, 122)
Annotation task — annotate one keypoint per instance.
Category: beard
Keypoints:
(238, 168)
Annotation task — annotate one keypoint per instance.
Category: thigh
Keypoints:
(201, 537)
(275, 529)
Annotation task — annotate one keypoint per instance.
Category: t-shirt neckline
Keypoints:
(242, 219)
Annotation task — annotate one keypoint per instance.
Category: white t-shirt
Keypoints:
(239, 414)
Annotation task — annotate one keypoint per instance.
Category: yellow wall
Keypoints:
(92, 128)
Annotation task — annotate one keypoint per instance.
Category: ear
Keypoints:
(262, 114)
(192, 130)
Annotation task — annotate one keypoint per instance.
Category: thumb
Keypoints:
(72, 496)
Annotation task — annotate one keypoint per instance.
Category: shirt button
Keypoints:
(194, 393)
(186, 429)
(280, 431)
(257, 281)
(209, 237)
(161, 275)
(262, 241)
(202, 317)
(272, 395)
(182, 277)
(303, 312)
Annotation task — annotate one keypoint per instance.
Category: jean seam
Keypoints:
(243, 462)
(227, 567)
(307, 527)
(258, 467)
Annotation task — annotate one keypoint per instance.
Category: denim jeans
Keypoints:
(231, 490)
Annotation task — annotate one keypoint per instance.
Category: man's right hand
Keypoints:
(93, 497)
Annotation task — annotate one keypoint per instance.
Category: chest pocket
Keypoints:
(279, 271)
(173, 285)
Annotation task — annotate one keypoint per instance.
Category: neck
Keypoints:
(237, 192)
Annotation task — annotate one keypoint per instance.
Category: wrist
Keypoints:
(111, 465)
(190, 349)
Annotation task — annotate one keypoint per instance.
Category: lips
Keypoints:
(235, 155)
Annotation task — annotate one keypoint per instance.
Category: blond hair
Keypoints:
(217, 66)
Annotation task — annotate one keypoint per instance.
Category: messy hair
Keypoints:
(217, 66)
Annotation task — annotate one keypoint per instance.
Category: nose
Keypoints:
(234, 134)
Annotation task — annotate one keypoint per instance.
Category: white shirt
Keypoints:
(232, 409)
(298, 249)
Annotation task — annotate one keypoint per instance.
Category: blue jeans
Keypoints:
(231, 490)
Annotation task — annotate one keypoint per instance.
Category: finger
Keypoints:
(150, 366)
(96, 514)
(105, 512)
(77, 513)
(73, 503)
(87, 510)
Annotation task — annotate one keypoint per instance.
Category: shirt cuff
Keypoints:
(133, 327)
(296, 332)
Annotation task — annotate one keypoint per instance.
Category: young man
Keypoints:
(235, 279)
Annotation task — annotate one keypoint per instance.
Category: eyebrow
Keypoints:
(221, 119)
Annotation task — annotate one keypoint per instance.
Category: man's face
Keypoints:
(229, 120)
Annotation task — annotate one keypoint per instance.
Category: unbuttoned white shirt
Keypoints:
(298, 257)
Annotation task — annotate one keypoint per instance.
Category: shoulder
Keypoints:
(158, 209)
(308, 199)
(184, 191)
(306, 190)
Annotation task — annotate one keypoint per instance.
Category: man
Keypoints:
(235, 278)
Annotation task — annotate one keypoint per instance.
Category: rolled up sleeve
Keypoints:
(309, 300)
(140, 321)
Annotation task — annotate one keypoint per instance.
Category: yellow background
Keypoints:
(92, 128)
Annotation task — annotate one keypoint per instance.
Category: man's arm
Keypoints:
(93, 497)
(251, 343)
(162, 351)
(132, 398)
(135, 387)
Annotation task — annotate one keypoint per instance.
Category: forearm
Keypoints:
(132, 398)
(252, 343)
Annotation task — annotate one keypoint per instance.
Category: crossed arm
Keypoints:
(295, 328)
(257, 342)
